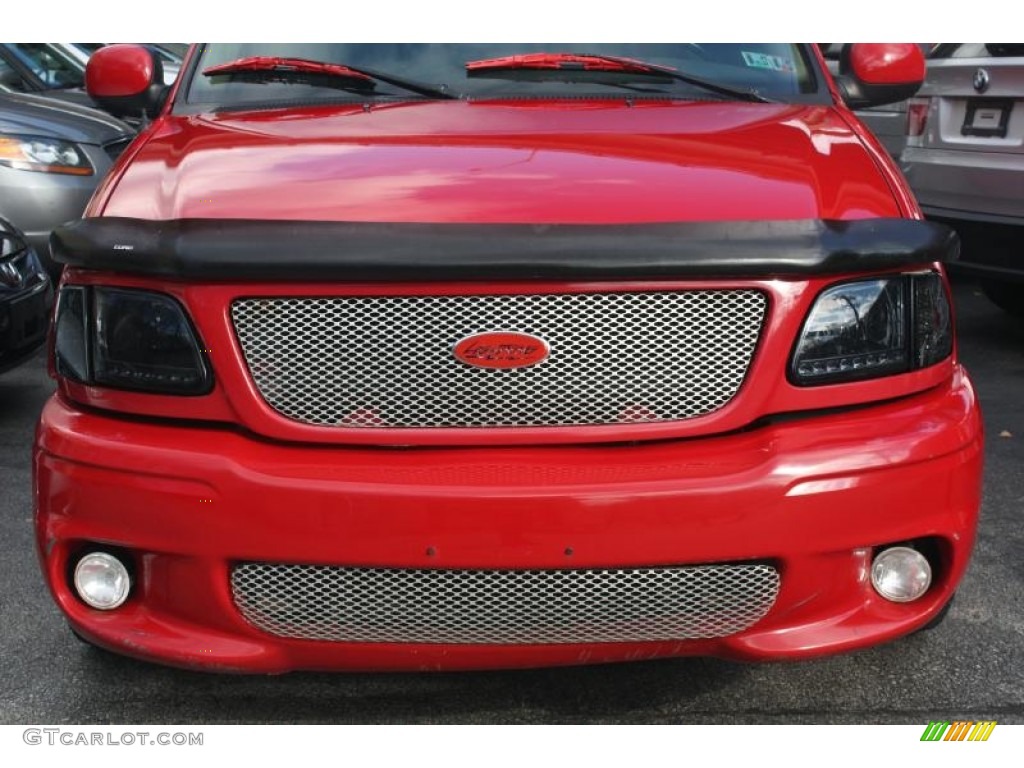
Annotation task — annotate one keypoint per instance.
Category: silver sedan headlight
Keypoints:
(38, 153)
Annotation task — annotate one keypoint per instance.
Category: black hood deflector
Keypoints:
(243, 250)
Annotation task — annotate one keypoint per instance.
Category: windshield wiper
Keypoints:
(281, 69)
(569, 63)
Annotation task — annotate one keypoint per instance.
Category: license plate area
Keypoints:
(987, 118)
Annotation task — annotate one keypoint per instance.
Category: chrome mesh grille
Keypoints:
(378, 605)
(387, 361)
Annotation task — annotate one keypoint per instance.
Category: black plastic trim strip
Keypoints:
(239, 249)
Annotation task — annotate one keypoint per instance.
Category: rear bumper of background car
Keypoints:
(967, 186)
(812, 494)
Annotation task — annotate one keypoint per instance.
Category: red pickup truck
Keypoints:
(464, 356)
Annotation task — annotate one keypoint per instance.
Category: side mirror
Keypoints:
(126, 80)
(879, 73)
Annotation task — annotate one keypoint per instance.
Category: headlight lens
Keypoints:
(102, 581)
(71, 341)
(870, 328)
(38, 153)
(129, 339)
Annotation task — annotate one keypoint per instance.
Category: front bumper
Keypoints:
(24, 319)
(811, 494)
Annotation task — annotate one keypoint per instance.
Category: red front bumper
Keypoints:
(812, 494)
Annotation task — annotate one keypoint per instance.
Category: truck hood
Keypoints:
(509, 162)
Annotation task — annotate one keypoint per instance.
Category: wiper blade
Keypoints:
(586, 62)
(562, 61)
(278, 68)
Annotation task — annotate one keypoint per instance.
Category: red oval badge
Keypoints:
(501, 349)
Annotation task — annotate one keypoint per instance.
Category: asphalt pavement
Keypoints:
(971, 667)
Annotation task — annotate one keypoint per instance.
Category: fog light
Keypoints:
(901, 574)
(102, 581)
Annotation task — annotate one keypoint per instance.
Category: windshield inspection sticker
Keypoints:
(766, 61)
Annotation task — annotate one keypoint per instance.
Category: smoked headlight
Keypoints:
(129, 339)
(40, 153)
(868, 328)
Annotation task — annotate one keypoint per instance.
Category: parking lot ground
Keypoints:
(972, 667)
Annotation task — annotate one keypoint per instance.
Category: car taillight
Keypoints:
(869, 328)
(128, 339)
(917, 116)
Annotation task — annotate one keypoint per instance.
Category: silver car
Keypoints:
(964, 158)
(52, 156)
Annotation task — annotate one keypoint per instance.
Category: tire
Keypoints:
(1009, 297)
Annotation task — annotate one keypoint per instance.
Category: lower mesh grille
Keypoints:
(377, 605)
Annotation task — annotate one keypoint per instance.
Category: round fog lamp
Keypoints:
(102, 581)
(901, 574)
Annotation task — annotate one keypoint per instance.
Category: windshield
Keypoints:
(50, 65)
(779, 71)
